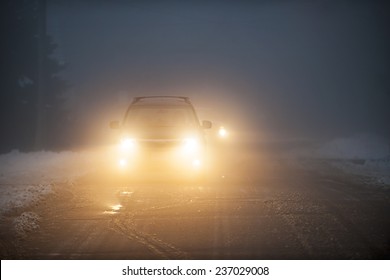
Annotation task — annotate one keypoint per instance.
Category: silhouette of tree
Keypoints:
(27, 62)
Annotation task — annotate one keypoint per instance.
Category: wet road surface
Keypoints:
(281, 212)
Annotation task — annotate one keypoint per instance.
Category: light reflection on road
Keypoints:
(114, 209)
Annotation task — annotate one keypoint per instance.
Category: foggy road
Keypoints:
(288, 213)
(284, 103)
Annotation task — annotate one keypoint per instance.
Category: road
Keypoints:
(273, 211)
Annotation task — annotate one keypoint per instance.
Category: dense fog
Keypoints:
(268, 70)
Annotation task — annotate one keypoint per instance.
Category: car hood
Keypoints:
(162, 133)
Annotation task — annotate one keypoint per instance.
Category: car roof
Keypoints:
(161, 100)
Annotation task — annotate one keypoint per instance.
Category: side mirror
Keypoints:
(114, 125)
(206, 124)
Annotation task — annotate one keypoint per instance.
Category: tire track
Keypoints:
(124, 224)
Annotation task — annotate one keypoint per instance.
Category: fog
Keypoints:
(275, 70)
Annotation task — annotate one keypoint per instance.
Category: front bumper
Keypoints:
(162, 160)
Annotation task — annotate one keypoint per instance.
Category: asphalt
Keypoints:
(269, 210)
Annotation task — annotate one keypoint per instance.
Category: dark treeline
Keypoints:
(31, 103)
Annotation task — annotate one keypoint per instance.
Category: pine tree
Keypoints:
(30, 86)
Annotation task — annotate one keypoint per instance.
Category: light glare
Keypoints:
(127, 144)
(196, 163)
(222, 132)
(122, 163)
(116, 207)
(190, 145)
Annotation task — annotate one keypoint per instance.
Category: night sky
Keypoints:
(285, 69)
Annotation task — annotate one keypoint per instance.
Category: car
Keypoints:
(161, 137)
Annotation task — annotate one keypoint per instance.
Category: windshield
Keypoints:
(160, 116)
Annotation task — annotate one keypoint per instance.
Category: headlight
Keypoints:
(190, 146)
(127, 145)
(222, 132)
(122, 163)
(196, 163)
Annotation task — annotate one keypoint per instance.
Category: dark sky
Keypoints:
(288, 69)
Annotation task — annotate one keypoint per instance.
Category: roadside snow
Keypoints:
(376, 171)
(362, 155)
(42, 167)
(362, 146)
(20, 196)
(26, 223)
(25, 178)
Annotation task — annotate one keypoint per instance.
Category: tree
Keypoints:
(30, 88)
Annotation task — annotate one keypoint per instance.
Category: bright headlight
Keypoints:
(122, 163)
(127, 144)
(196, 163)
(222, 132)
(190, 145)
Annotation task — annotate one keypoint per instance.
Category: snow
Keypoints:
(20, 196)
(42, 167)
(25, 223)
(27, 178)
(364, 155)
(362, 146)
(375, 171)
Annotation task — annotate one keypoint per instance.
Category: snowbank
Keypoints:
(374, 171)
(26, 223)
(42, 167)
(360, 155)
(25, 178)
(362, 146)
(357, 147)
